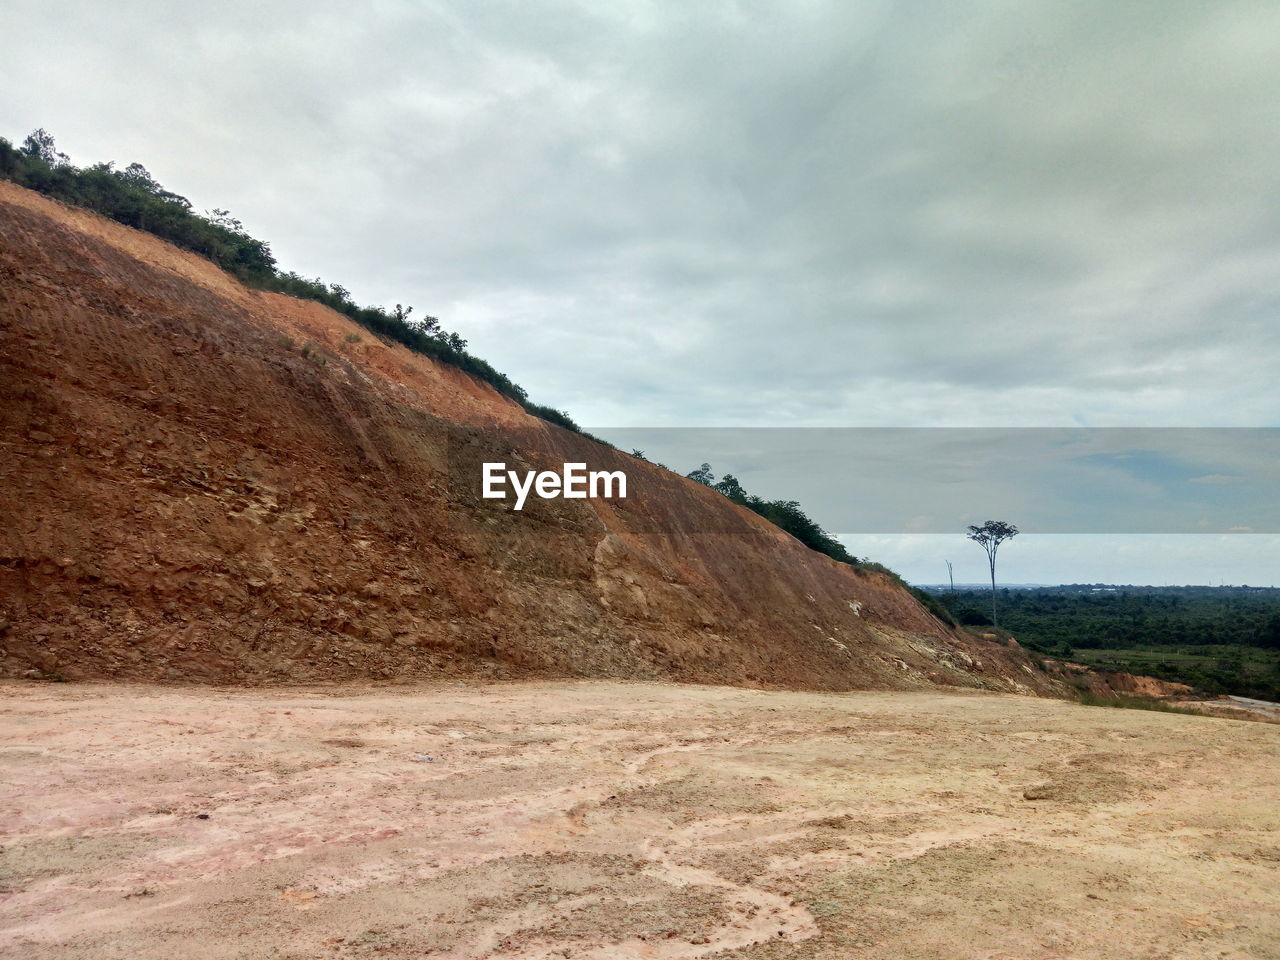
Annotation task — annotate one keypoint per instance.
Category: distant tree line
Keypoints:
(1219, 639)
(1118, 618)
(133, 197)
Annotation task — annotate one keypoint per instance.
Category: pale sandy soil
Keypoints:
(621, 820)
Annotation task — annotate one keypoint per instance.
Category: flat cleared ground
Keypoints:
(619, 820)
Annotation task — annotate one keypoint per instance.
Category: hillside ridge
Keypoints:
(222, 484)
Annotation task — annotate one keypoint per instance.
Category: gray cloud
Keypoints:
(816, 213)
(821, 213)
(1050, 480)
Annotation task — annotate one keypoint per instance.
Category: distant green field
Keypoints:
(1216, 639)
(1244, 670)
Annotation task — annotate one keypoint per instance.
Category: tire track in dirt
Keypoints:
(758, 915)
(621, 822)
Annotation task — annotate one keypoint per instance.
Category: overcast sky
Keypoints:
(714, 214)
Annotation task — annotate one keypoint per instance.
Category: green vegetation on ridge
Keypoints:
(133, 197)
(789, 516)
(782, 513)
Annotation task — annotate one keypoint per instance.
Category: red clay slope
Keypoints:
(205, 482)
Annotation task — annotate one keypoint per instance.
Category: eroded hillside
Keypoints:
(208, 482)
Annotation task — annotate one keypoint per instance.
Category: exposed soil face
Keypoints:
(617, 820)
(205, 482)
(1108, 683)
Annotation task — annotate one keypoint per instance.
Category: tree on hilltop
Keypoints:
(703, 475)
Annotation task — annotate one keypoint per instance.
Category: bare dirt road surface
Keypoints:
(596, 820)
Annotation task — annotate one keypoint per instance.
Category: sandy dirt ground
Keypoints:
(594, 820)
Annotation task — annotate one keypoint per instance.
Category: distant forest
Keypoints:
(1218, 639)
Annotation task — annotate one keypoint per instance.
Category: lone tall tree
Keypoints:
(989, 536)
